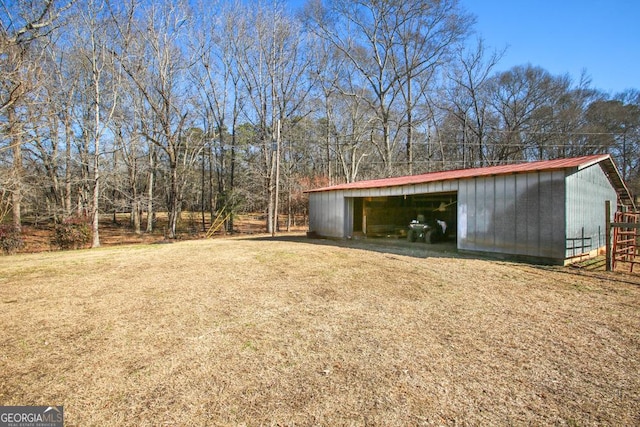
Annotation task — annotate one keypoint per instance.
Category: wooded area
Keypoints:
(142, 106)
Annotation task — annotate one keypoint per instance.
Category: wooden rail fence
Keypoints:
(622, 238)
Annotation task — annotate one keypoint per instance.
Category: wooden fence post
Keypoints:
(607, 232)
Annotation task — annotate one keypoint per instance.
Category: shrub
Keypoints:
(72, 233)
(10, 239)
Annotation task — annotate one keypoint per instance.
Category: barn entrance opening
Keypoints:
(391, 216)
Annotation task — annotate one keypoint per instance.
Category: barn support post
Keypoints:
(607, 218)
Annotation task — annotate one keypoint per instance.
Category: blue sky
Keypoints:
(566, 36)
(601, 37)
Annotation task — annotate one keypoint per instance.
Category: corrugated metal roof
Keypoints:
(544, 165)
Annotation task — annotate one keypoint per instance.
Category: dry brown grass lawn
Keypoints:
(249, 331)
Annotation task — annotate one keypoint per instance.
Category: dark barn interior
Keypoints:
(390, 216)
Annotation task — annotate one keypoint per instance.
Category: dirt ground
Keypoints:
(293, 331)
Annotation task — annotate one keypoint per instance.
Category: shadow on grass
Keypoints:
(377, 244)
(448, 249)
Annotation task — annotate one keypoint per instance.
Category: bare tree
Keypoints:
(129, 145)
(142, 103)
(345, 118)
(94, 45)
(468, 99)
(62, 93)
(614, 126)
(518, 95)
(218, 79)
(157, 60)
(563, 129)
(273, 67)
(22, 25)
(390, 44)
(45, 143)
(426, 34)
(353, 128)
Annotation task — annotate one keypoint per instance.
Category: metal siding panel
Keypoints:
(338, 215)
(478, 205)
(575, 218)
(501, 225)
(552, 215)
(326, 213)
(313, 212)
(559, 213)
(513, 214)
(533, 215)
(509, 216)
(491, 218)
(486, 221)
(483, 238)
(348, 217)
(326, 208)
(463, 216)
(470, 212)
(521, 214)
(587, 190)
(515, 211)
(546, 216)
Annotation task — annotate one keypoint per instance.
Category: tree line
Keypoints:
(143, 106)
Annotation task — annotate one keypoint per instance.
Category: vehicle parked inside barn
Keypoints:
(429, 231)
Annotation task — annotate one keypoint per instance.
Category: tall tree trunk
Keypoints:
(276, 191)
(270, 188)
(212, 202)
(95, 211)
(232, 173)
(174, 197)
(386, 136)
(67, 165)
(289, 168)
(203, 190)
(16, 144)
(150, 185)
(409, 108)
(135, 216)
(136, 207)
(328, 141)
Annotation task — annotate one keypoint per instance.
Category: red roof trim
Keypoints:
(576, 162)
